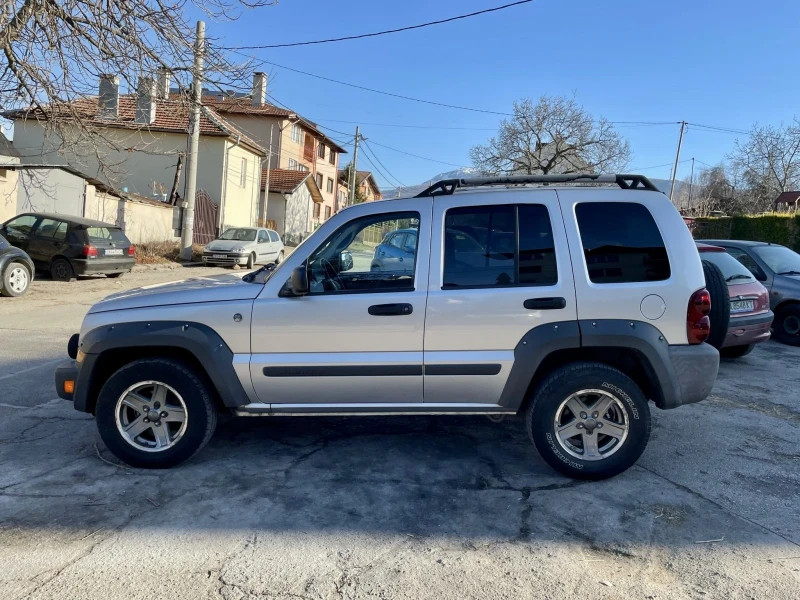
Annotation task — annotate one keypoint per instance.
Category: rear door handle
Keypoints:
(388, 310)
(545, 303)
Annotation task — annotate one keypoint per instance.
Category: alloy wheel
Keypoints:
(591, 424)
(151, 416)
(18, 280)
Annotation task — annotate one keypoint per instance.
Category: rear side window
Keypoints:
(621, 243)
(495, 246)
(105, 234)
(273, 236)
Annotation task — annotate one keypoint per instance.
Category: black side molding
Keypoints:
(488, 369)
(343, 371)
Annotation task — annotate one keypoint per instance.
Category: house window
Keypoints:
(292, 164)
(243, 173)
(330, 185)
(302, 167)
(327, 212)
(319, 180)
(297, 134)
(321, 151)
(316, 210)
(332, 157)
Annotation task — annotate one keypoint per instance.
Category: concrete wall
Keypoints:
(240, 208)
(142, 221)
(276, 210)
(50, 190)
(8, 190)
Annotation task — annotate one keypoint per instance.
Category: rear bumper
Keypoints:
(695, 368)
(98, 266)
(746, 330)
(66, 371)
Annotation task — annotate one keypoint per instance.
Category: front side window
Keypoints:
(21, 225)
(496, 246)
(780, 259)
(263, 238)
(274, 237)
(397, 240)
(621, 243)
(353, 259)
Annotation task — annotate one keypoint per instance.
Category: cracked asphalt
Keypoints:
(380, 507)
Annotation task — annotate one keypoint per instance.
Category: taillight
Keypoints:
(698, 325)
(89, 251)
(763, 300)
(131, 250)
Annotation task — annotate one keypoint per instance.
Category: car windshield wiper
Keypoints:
(789, 273)
(738, 276)
(250, 277)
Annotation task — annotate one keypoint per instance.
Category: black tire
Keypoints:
(61, 270)
(116, 275)
(279, 259)
(251, 261)
(736, 351)
(720, 304)
(6, 288)
(557, 388)
(194, 388)
(784, 327)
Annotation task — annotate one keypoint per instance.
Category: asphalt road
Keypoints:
(416, 507)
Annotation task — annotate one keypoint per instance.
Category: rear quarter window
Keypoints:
(621, 243)
(106, 234)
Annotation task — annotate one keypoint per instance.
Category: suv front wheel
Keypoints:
(156, 413)
(589, 421)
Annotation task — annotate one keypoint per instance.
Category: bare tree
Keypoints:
(768, 163)
(555, 135)
(54, 52)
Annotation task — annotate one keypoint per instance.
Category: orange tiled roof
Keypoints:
(283, 180)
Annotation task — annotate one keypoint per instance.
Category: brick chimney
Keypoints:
(162, 88)
(146, 101)
(259, 89)
(108, 99)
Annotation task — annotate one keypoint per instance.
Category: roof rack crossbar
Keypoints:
(447, 187)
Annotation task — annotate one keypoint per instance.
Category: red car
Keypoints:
(750, 316)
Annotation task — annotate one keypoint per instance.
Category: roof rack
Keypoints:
(447, 187)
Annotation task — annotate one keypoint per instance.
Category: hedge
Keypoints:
(778, 229)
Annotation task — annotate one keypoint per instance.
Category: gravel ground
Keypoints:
(380, 507)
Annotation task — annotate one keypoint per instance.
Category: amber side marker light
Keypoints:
(69, 387)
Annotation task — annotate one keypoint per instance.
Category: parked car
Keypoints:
(778, 269)
(596, 309)
(68, 247)
(16, 270)
(247, 246)
(396, 252)
(745, 317)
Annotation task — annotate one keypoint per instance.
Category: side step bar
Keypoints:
(361, 409)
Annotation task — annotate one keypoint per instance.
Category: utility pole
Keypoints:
(194, 143)
(677, 158)
(354, 170)
(691, 185)
(262, 218)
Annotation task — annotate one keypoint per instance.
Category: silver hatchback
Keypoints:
(245, 246)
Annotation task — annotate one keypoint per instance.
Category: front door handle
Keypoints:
(388, 310)
(545, 303)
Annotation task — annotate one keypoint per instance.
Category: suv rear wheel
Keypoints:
(156, 413)
(589, 421)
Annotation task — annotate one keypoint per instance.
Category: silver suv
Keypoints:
(572, 305)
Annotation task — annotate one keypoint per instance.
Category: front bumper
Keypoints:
(695, 367)
(229, 258)
(98, 266)
(66, 371)
(746, 330)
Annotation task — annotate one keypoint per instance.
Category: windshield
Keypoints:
(779, 258)
(732, 270)
(240, 235)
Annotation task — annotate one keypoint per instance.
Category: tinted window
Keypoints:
(21, 225)
(49, 228)
(273, 236)
(488, 246)
(780, 259)
(105, 234)
(732, 270)
(621, 243)
(352, 260)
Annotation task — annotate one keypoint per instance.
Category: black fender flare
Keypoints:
(200, 340)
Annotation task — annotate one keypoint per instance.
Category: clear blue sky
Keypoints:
(727, 63)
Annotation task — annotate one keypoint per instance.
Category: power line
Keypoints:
(417, 155)
(720, 129)
(669, 164)
(375, 156)
(378, 171)
(412, 126)
(386, 32)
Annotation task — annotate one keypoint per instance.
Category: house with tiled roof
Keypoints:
(366, 185)
(295, 203)
(293, 142)
(137, 143)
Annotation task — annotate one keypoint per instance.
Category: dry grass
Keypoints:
(151, 253)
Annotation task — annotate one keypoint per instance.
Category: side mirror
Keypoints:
(300, 281)
(345, 261)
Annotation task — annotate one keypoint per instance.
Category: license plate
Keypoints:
(219, 256)
(114, 252)
(738, 306)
